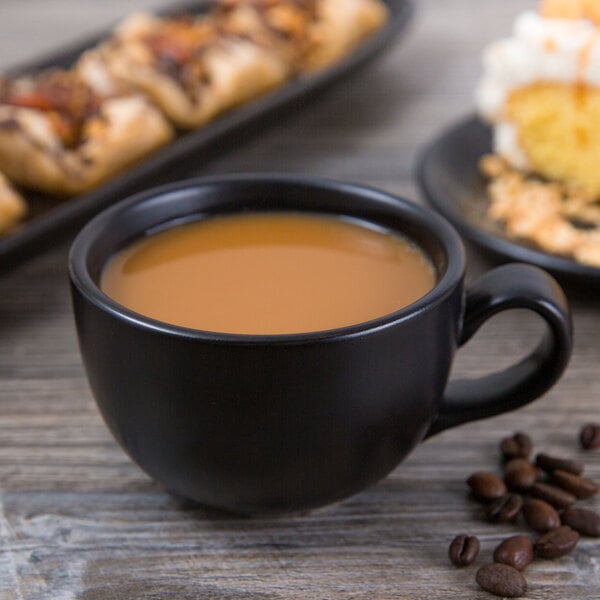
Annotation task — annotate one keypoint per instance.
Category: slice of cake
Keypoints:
(571, 9)
(540, 92)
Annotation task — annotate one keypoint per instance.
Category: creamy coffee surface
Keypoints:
(268, 273)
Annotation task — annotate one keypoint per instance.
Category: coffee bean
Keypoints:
(486, 486)
(505, 508)
(516, 551)
(540, 515)
(583, 520)
(556, 543)
(551, 463)
(556, 496)
(502, 580)
(463, 550)
(590, 436)
(518, 445)
(520, 474)
(579, 486)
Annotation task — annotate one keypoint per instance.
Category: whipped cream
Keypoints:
(539, 50)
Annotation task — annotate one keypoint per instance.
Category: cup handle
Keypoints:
(510, 286)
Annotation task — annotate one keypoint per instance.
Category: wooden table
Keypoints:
(79, 520)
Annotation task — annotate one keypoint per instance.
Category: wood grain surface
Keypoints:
(79, 520)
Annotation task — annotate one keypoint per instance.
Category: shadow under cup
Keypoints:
(276, 423)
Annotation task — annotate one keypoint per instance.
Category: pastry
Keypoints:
(185, 65)
(65, 131)
(311, 34)
(339, 27)
(12, 206)
(59, 136)
(194, 68)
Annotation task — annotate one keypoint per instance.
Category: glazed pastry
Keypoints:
(194, 68)
(12, 206)
(311, 34)
(59, 136)
(340, 26)
(64, 132)
(186, 66)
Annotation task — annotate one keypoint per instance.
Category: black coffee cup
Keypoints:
(273, 423)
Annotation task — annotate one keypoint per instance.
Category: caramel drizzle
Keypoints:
(584, 56)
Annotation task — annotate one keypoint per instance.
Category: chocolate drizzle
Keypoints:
(66, 99)
(179, 44)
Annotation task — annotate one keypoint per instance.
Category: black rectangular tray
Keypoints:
(51, 219)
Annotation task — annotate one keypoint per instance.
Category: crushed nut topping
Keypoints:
(557, 217)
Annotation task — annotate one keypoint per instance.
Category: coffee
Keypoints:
(540, 515)
(552, 494)
(268, 273)
(561, 532)
(504, 509)
(464, 550)
(590, 436)
(486, 486)
(520, 474)
(224, 420)
(582, 520)
(549, 464)
(515, 551)
(518, 445)
(501, 580)
(557, 543)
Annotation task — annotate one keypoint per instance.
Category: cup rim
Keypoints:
(425, 217)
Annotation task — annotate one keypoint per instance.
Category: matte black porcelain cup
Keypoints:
(257, 424)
